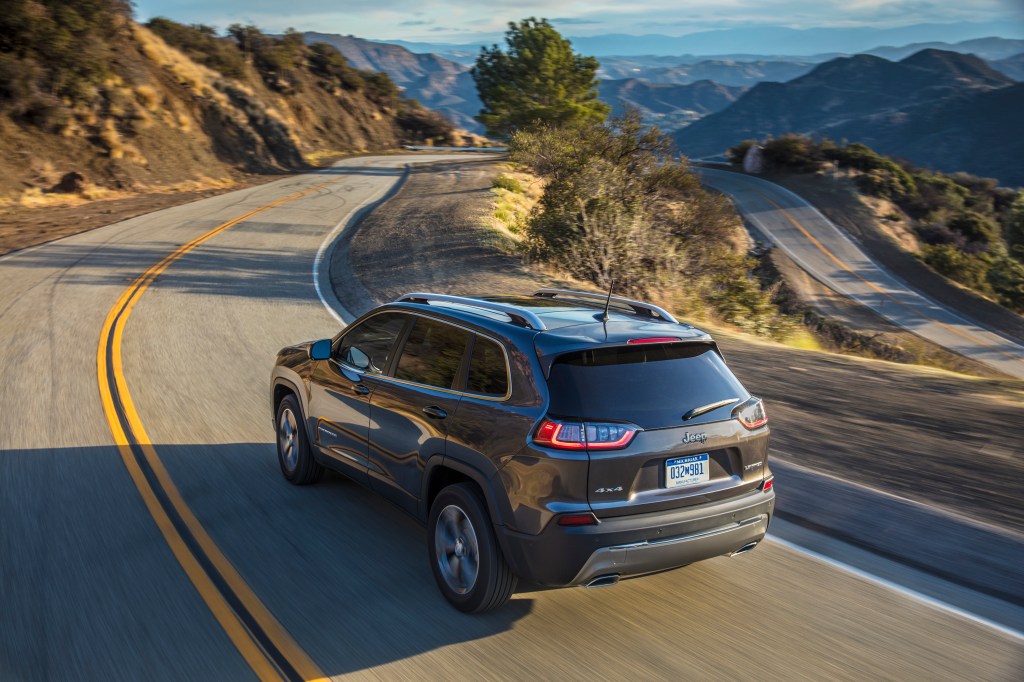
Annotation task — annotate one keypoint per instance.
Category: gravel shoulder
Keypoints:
(929, 435)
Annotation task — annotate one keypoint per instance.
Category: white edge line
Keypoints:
(905, 591)
(785, 460)
(327, 244)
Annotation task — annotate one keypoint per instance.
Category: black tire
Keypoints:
(494, 582)
(297, 463)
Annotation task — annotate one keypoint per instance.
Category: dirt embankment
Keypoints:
(941, 438)
(841, 204)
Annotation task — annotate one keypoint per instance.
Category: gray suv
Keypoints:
(565, 438)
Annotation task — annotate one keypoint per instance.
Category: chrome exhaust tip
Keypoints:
(604, 580)
(744, 549)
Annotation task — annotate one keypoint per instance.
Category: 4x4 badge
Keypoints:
(616, 489)
(695, 437)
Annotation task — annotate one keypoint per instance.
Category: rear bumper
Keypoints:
(643, 543)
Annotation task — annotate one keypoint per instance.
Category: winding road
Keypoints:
(146, 532)
(833, 258)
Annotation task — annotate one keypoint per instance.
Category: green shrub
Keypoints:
(1006, 277)
(738, 152)
(968, 269)
(508, 183)
(202, 45)
(793, 152)
(326, 61)
(975, 226)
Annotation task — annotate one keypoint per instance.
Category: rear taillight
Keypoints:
(751, 414)
(579, 436)
(768, 484)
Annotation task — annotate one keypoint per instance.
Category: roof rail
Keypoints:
(639, 307)
(524, 318)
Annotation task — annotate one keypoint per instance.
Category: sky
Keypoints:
(465, 21)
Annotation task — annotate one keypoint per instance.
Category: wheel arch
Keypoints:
(443, 471)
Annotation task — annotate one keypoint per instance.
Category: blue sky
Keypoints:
(462, 21)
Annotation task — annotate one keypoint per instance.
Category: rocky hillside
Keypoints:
(438, 83)
(854, 98)
(86, 90)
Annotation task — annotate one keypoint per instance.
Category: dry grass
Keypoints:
(37, 197)
(198, 78)
(148, 97)
(511, 208)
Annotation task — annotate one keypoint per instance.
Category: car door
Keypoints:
(410, 410)
(341, 388)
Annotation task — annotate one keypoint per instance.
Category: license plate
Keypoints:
(685, 471)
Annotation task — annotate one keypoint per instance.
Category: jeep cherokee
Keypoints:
(565, 438)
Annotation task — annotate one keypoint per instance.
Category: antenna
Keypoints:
(608, 301)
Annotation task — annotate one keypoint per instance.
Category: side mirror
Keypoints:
(320, 350)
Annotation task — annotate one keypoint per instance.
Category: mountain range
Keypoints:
(724, 71)
(924, 107)
(760, 41)
(438, 83)
(711, 104)
(668, 106)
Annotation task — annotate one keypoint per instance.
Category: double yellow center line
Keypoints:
(905, 306)
(262, 641)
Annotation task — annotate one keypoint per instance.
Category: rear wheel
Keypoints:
(465, 557)
(293, 452)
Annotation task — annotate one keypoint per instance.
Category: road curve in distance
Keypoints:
(833, 258)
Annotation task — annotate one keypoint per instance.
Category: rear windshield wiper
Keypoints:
(704, 409)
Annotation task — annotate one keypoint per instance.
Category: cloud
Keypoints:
(409, 19)
(573, 21)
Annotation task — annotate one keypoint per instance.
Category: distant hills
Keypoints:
(923, 107)
(724, 71)
(669, 106)
(762, 41)
(1011, 66)
(438, 83)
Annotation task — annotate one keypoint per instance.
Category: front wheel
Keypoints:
(293, 452)
(465, 557)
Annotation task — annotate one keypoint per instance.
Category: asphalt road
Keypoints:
(91, 588)
(831, 257)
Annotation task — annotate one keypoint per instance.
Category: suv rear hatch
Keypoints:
(689, 448)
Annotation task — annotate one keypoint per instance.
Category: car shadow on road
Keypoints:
(345, 572)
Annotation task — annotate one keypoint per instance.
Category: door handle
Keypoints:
(434, 412)
(360, 389)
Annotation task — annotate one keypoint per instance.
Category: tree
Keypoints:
(539, 79)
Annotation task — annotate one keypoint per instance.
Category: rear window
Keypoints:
(488, 372)
(652, 386)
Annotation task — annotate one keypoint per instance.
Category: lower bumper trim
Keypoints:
(650, 556)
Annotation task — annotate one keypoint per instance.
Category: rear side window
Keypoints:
(488, 371)
(652, 386)
(368, 346)
(432, 354)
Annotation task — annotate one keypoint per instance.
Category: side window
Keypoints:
(368, 346)
(432, 354)
(488, 372)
